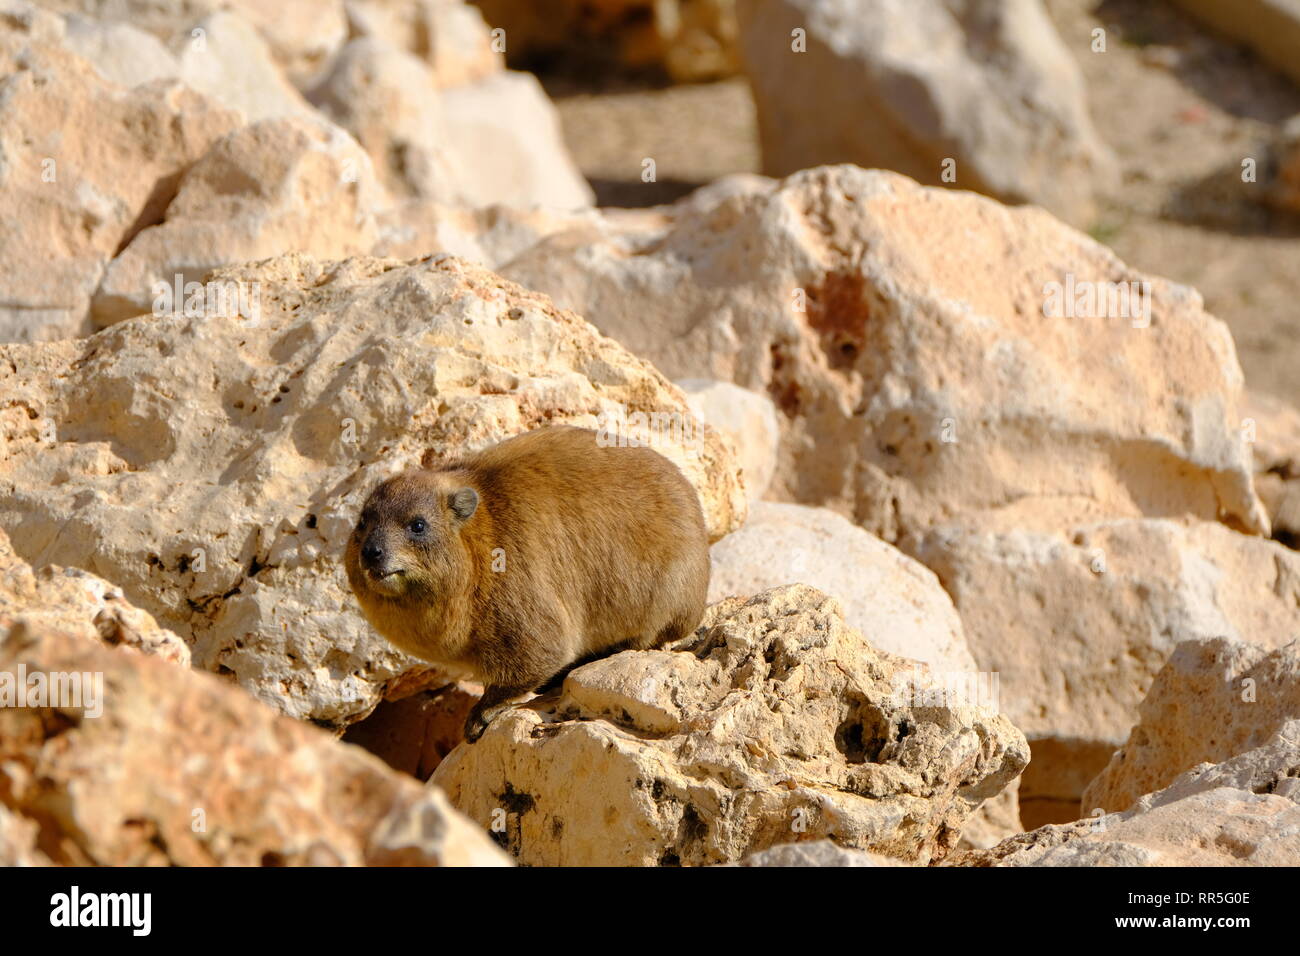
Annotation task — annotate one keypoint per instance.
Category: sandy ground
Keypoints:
(1180, 107)
(694, 134)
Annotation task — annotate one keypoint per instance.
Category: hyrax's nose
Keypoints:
(372, 554)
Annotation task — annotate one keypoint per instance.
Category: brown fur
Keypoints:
(603, 548)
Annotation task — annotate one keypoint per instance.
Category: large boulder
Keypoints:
(777, 722)
(911, 340)
(68, 203)
(1215, 699)
(173, 767)
(1242, 812)
(212, 465)
(980, 91)
(1077, 624)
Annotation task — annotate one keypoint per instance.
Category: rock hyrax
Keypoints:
(515, 563)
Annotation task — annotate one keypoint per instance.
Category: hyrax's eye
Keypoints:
(417, 526)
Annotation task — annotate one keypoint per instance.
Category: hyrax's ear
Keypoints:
(464, 502)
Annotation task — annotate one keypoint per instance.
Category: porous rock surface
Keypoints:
(780, 723)
(75, 602)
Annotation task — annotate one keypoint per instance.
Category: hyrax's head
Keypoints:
(407, 542)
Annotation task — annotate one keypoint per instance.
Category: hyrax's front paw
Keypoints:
(475, 724)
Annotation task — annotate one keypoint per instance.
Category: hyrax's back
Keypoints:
(616, 535)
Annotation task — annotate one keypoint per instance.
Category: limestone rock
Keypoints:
(270, 188)
(493, 141)
(387, 99)
(213, 467)
(301, 34)
(69, 203)
(181, 769)
(1271, 768)
(1078, 623)
(119, 52)
(448, 35)
(923, 377)
(76, 602)
(892, 598)
(780, 723)
(221, 56)
(508, 145)
(1213, 700)
(748, 419)
(878, 586)
(912, 85)
(224, 57)
(304, 36)
(1244, 812)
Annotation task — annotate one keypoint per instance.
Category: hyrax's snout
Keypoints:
(377, 555)
(373, 554)
(381, 563)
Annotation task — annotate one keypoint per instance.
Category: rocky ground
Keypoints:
(993, 584)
